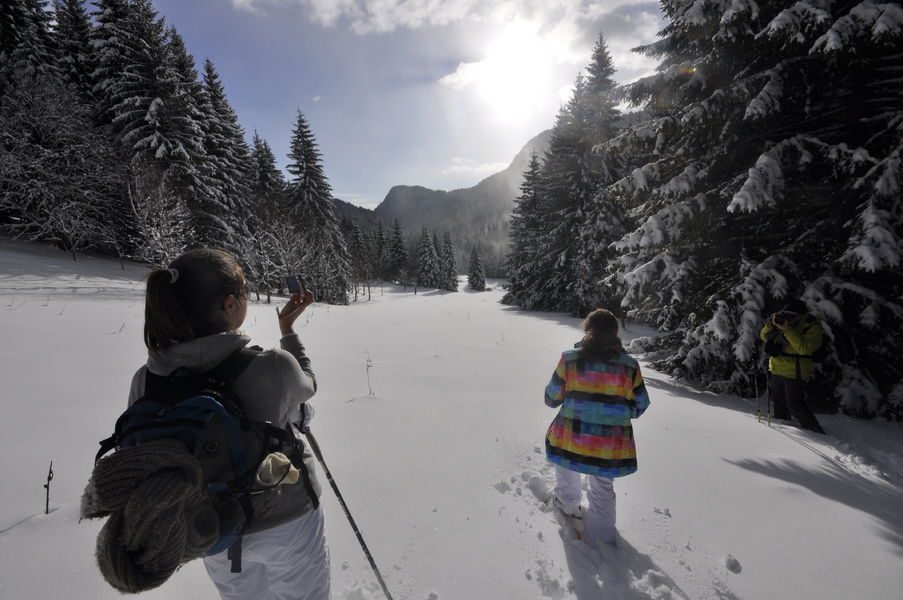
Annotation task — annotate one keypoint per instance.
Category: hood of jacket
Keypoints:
(199, 354)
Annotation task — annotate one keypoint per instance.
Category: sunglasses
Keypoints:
(244, 290)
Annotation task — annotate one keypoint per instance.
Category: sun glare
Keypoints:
(514, 77)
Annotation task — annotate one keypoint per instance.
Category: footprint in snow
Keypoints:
(502, 487)
(732, 564)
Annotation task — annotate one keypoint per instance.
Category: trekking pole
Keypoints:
(756, 388)
(360, 538)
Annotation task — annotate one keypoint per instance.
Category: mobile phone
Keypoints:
(295, 284)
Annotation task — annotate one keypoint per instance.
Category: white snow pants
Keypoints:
(599, 520)
(288, 562)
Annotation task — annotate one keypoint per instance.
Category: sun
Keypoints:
(513, 80)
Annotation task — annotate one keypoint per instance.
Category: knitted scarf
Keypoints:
(159, 514)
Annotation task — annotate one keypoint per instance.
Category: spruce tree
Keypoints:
(147, 91)
(326, 263)
(267, 184)
(428, 268)
(360, 252)
(566, 186)
(26, 43)
(185, 155)
(600, 218)
(449, 274)
(72, 34)
(397, 255)
(773, 172)
(526, 226)
(380, 245)
(113, 49)
(476, 277)
(222, 211)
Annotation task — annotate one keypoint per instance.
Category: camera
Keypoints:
(295, 284)
(782, 317)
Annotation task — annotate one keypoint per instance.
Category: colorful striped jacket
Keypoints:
(592, 432)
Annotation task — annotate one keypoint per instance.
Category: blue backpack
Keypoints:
(200, 410)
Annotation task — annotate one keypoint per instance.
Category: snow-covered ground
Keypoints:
(442, 466)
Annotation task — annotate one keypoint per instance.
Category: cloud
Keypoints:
(316, 98)
(466, 166)
(383, 16)
(567, 28)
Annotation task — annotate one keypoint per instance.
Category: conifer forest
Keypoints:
(762, 162)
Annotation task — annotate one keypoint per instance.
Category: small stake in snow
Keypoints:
(47, 487)
(369, 366)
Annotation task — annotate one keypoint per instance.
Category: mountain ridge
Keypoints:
(476, 216)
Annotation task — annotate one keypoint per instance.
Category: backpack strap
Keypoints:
(226, 372)
(222, 376)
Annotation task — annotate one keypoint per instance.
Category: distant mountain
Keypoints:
(475, 216)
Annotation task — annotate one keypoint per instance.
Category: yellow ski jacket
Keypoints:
(800, 342)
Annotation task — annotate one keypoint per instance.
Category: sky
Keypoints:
(437, 93)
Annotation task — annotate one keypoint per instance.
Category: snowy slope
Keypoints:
(442, 466)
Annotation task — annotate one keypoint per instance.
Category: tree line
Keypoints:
(111, 140)
(766, 164)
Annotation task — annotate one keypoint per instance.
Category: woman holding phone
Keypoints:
(193, 314)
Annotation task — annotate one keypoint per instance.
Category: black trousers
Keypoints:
(786, 393)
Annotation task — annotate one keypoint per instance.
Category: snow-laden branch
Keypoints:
(878, 23)
(800, 22)
(663, 226)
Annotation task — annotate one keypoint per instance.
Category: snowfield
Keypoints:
(442, 465)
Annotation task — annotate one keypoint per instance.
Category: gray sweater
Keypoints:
(272, 388)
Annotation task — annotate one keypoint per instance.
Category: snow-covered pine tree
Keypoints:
(397, 255)
(359, 249)
(526, 226)
(266, 207)
(602, 221)
(123, 65)
(268, 184)
(221, 214)
(380, 244)
(428, 268)
(26, 42)
(567, 185)
(774, 172)
(437, 247)
(148, 92)
(72, 33)
(325, 262)
(476, 277)
(449, 274)
(186, 155)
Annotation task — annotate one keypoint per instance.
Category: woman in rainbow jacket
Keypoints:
(598, 389)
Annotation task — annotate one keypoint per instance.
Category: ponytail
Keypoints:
(601, 341)
(184, 301)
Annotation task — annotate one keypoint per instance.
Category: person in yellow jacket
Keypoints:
(791, 337)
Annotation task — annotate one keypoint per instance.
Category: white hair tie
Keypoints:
(173, 275)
